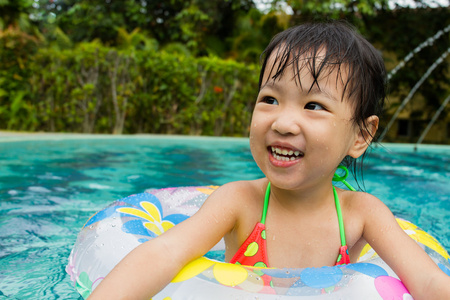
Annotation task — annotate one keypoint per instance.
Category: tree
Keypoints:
(202, 26)
(15, 13)
(253, 32)
(19, 39)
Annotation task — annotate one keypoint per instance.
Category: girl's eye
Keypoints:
(313, 106)
(270, 100)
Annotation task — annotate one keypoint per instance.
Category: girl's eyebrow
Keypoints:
(317, 91)
(314, 90)
(271, 84)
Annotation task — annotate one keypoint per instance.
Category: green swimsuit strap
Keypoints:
(266, 204)
(340, 219)
(342, 178)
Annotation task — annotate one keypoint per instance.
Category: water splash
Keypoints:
(430, 41)
(413, 91)
(436, 115)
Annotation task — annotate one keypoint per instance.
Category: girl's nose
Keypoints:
(286, 124)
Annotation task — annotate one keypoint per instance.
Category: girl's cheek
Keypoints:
(254, 128)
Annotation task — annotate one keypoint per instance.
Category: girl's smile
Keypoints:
(285, 157)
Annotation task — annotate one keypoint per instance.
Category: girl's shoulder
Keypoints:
(244, 186)
(243, 192)
(361, 203)
(357, 197)
(240, 197)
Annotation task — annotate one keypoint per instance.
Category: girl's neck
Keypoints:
(307, 199)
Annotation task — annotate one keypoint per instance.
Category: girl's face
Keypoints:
(299, 136)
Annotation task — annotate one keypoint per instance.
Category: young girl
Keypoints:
(321, 89)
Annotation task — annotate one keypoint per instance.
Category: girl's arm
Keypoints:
(421, 276)
(151, 266)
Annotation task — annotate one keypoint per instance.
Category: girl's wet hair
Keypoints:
(323, 48)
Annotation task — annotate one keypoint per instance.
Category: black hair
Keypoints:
(323, 48)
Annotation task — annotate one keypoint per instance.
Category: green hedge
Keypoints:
(97, 89)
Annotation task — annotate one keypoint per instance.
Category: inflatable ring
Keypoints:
(114, 231)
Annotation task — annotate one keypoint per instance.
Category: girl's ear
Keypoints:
(364, 136)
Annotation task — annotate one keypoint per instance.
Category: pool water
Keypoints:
(51, 184)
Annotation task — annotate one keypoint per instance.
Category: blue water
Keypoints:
(50, 185)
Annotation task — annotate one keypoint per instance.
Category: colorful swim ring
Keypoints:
(114, 231)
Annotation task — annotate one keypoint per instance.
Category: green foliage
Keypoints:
(253, 32)
(134, 40)
(176, 66)
(14, 13)
(16, 47)
(193, 23)
(94, 88)
(22, 114)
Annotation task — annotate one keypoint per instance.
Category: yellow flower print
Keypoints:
(416, 234)
(150, 213)
(422, 237)
(208, 190)
(225, 273)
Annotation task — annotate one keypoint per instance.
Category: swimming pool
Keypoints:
(51, 184)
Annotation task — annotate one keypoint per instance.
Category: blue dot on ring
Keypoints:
(368, 269)
(444, 268)
(283, 273)
(321, 277)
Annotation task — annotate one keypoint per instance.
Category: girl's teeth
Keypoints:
(283, 158)
(284, 152)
